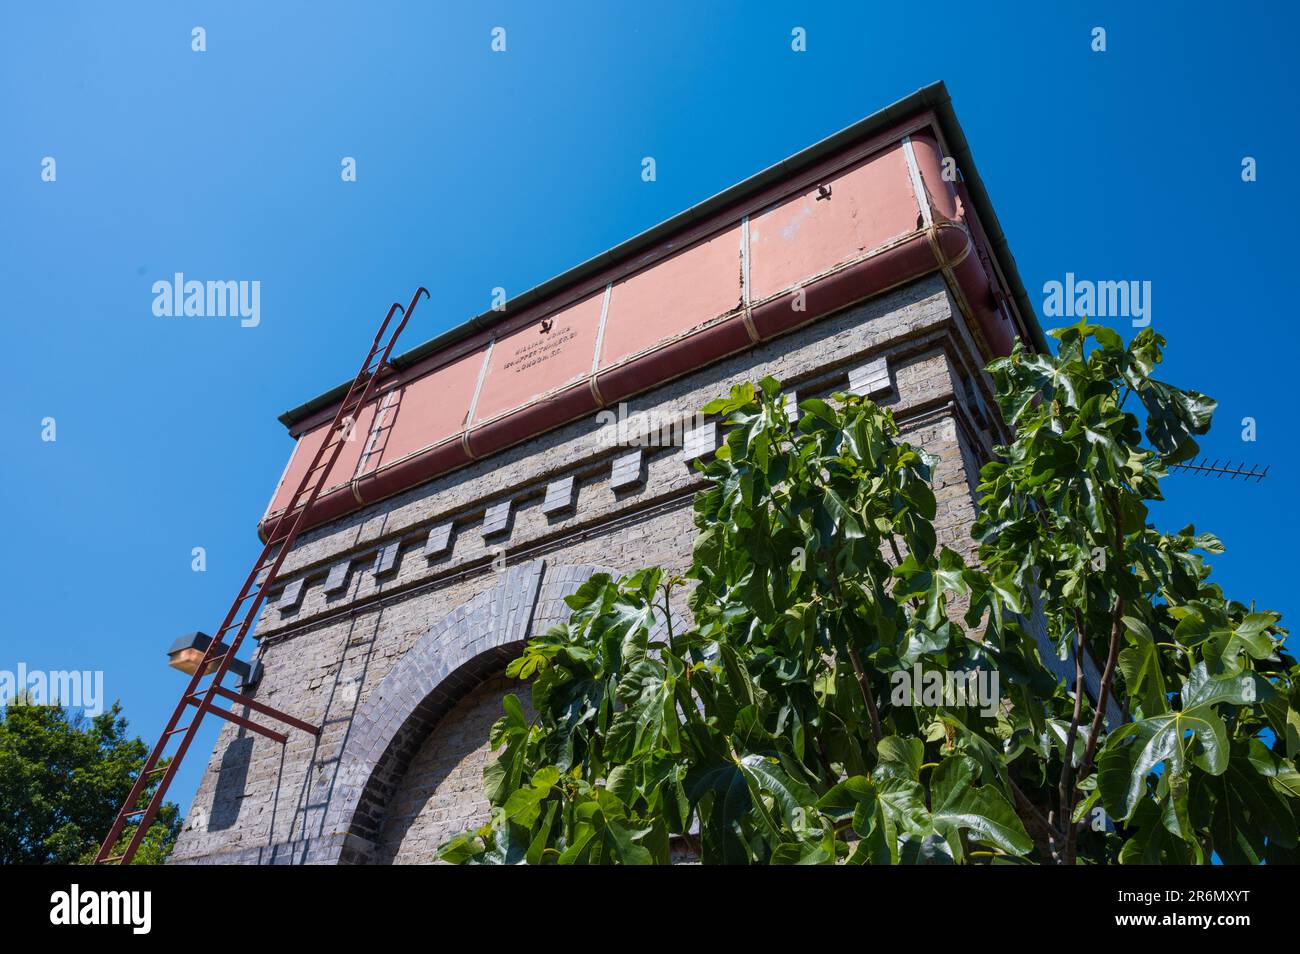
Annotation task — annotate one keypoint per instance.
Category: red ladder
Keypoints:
(243, 612)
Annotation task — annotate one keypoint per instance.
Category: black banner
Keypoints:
(210, 905)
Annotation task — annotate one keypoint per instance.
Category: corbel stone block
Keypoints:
(701, 441)
(559, 496)
(496, 520)
(439, 541)
(290, 597)
(628, 470)
(338, 577)
(791, 407)
(871, 379)
(386, 560)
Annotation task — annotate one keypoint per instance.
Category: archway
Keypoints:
(424, 714)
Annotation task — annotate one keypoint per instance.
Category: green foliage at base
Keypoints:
(62, 779)
(773, 730)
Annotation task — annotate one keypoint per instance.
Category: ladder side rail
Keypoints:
(205, 705)
(364, 374)
(156, 752)
(371, 381)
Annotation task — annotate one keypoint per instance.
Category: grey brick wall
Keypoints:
(402, 668)
(441, 794)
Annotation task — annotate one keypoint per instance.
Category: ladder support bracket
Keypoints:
(241, 721)
(243, 700)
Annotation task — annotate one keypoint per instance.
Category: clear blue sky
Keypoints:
(478, 170)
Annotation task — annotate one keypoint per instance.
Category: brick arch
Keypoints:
(472, 643)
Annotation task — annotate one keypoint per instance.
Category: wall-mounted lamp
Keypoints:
(187, 652)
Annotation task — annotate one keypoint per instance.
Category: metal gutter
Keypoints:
(933, 97)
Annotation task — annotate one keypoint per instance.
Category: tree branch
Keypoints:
(1039, 824)
(1103, 695)
(877, 733)
(1065, 789)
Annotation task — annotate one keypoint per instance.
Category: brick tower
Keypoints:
(483, 485)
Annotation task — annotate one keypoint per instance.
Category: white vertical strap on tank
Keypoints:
(744, 280)
(918, 184)
(600, 328)
(600, 343)
(478, 385)
(473, 404)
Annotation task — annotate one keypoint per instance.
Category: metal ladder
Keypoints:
(242, 614)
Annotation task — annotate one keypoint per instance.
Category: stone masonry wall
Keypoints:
(396, 622)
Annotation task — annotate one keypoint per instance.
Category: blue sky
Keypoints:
(478, 169)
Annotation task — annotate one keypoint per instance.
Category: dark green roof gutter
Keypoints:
(933, 97)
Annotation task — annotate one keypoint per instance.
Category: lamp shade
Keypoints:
(186, 654)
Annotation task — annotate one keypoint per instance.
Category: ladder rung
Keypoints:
(134, 811)
(156, 769)
(109, 861)
(235, 623)
(171, 732)
(215, 660)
